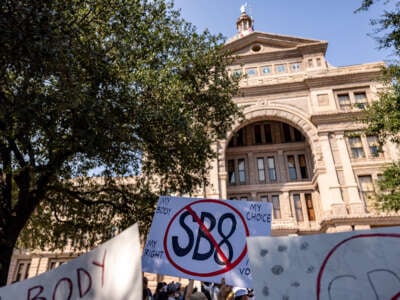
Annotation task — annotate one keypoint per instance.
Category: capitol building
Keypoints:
(300, 146)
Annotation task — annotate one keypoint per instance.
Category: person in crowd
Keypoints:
(161, 291)
(197, 296)
(173, 291)
(147, 295)
(241, 293)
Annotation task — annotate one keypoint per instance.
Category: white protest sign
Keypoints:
(352, 265)
(111, 271)
(204, 239)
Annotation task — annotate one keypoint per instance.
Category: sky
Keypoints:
(334, 21)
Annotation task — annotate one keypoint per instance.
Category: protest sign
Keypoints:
(350, 265)
(111, 271)
(204, 239)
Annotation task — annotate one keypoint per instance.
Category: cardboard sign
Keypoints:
(351, 265)
(204, 239)
(111, 271)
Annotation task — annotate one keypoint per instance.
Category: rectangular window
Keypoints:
(360, 99)
(55, 263)
(295, 67)
(303, 166)
(264, 198)
(310, 63)
(356, 147)
(344, 101)
(319, 62)
(310, 207)
(240, 138)
(267, 70)
(257, 134)
(367, 189)
(242, 171)
(261, 169)
(22, 271)
(280, 68)
(297, 208)
(373, 145)
(231, 171)
(237, 72)
(276, 206)
(268, 133)
(271, 168)
(286, 133)
(291, 167)
(251, 72)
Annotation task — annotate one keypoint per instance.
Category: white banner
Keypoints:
(356, 265)
(204, 239)
(111, 271)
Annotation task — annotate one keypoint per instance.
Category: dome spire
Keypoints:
(244, 24)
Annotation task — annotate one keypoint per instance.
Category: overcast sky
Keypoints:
(334, 21)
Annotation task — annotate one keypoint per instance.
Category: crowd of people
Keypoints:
(207, 291)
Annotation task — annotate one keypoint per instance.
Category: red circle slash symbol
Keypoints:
(198, 238)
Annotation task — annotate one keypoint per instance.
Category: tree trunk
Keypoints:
(5, 259)
(8, 239)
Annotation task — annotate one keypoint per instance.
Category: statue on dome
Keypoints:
(243, 8)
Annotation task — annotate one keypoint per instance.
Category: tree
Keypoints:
(93, 92)
(383, 116)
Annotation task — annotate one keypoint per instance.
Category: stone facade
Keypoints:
(299, 146)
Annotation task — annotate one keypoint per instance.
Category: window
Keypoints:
(297, 208)
(280, 68)
(22, 271)
(310, 207)
(366, 189)
(55, 263)
(242, 171)
(257, 134)
(268, 133)
(267, 70)
(292, 167)
(352, 99)
(344, 101)
(251, 72)
(264, 198)
(238, 139)
(360, 100)
(356, 147)
(261, 169)
(310, 63)
(286, 133)
(231, 171)
(373, 145)
(298, 137)
(295, 67)
(237, 72)
(319, 63)
(303, 166)
(271, 168)
(276, 206)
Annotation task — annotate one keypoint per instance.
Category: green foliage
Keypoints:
(388, 197)
(90, 88)
(383, 116)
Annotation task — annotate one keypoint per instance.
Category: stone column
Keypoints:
(355, 203)
(331, 197)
